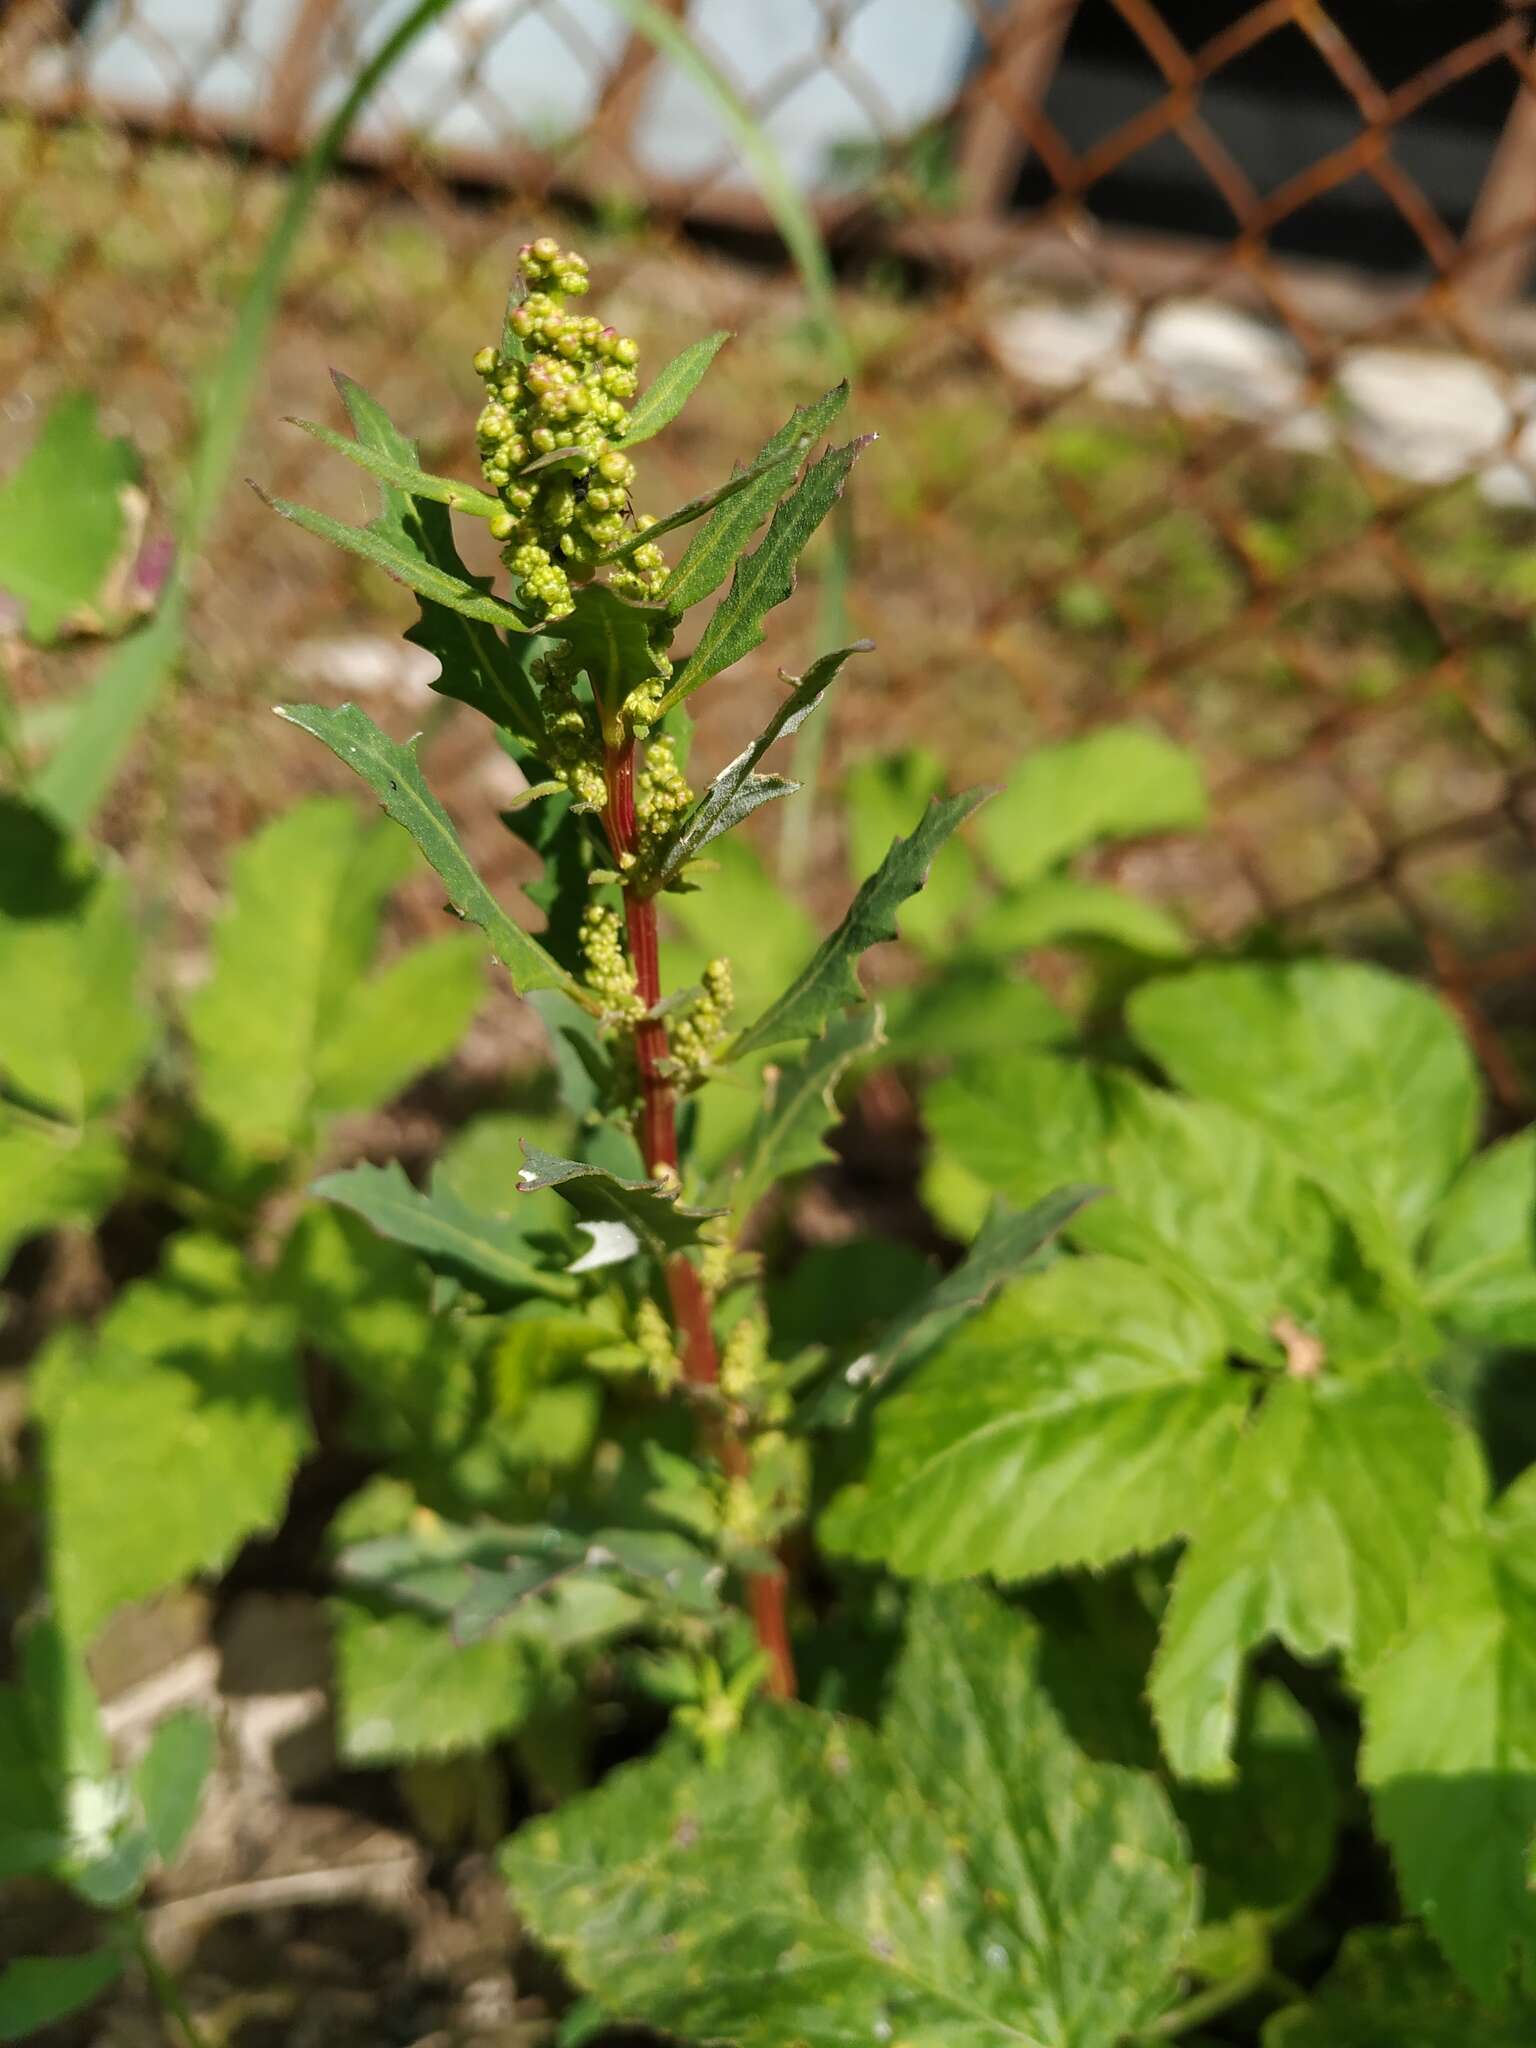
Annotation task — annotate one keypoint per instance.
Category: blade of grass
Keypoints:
(83, 767)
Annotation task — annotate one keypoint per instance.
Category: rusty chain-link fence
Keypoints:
(1195, 334)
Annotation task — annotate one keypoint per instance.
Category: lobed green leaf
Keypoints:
(61, 517)
(648, 1209)
(789, 1134)
(488, 1253)
(404, 476)
(1107, 785)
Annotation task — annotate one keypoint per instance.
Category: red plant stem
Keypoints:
(766, 1591)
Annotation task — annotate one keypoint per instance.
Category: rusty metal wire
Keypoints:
(1261, 468)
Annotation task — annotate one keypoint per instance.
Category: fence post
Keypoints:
(1505, 206)
(1017, 74)
(296, 75)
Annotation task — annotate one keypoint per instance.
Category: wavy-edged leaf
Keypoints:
(614, 641)
(1389, 1988)
(1059, 909)
(1107, 785)
(671, 388)
(1317, 1537)
(738, 790)
(965, 1876)
(1480, 1258)
(789, 1134)
(406, 1687)
(193, 1374)
(830, 981)
(37, 1990)
(478, 668)
(405, 565)
(1010, 1243)
(489, 1253)
(1082, 1417)
(1450, 1743)
(764, 578)
(714, 551)
(394, 775)
(647, 1207)
(1363, 1078)
(52, 1177)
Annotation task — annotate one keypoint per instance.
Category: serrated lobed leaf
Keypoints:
(714, 551)
(1060, 909)
(789, 1134)
(1010, 1244)
(489, 1253)
(48, 1178)
(1359, 1075)
(61, 517)
(1317, 1538)
(963, 1879)
(1389, 1988)
(1106, 785)
(404, 476)
(764, 578)
(1082, 1417)
(738, 790)
(194, 1374)
(708, 501)
(830, 980)
(1450, 1743)
(647, 1207)
(1479, 1262)
(392, 772)
(406, 1688)
(671, 388)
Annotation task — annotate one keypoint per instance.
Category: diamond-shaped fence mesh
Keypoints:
(1196, 335)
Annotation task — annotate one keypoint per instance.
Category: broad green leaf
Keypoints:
(404, 476)
(1480, 1259)
(885, 796)
(170, 1776)
(1084, 1416)
(1010, 1244)
(613, 641)
(1194, 1191)
(478, 667)
(646, 1208)
(738, 790)
(1059, 909)
(394, 775)
(790, 1132)
(830, 980)
(1389, 1988)
(764, 578)
(409, 1016)
(48, 1178)
(1316, 1537)
(73, 1032)
(671, 388)
(489, 1253)
(405, 1688)
(714, 551)
(457, 593)
(1362, 1077)
(170, 1432)
(963, 1878)
(1107, 785)
(1450, 1743)
(973, 1007)
(37, 1990)
(285, 1029)
(61, 517)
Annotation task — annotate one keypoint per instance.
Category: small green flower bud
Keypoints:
(485, 361)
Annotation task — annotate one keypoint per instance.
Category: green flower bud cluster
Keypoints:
(761, 1504)
(662, 797)
(610, 976)
(569, 397)
(572, 747)
(653, 1335)
(696, 1032)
